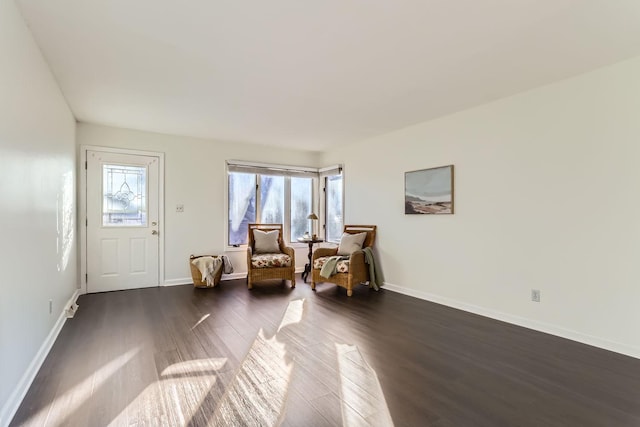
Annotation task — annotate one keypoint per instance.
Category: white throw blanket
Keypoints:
(208, 267)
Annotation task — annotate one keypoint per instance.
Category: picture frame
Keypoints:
(429, 191)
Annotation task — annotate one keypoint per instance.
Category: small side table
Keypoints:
(307, 267)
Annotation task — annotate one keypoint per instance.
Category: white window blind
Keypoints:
(269, 169)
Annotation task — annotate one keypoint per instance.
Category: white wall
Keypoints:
(37, 179)
(546, 197)
(195, 176)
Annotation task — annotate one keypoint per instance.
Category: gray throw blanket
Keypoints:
(375, 274)
(329, 268)
(228, 268)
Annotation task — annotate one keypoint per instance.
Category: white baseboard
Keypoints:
(189, 280)
(232, 276)
(13, 403)
(520, 321)
(176, 282)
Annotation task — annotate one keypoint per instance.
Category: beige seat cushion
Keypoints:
(270, 260)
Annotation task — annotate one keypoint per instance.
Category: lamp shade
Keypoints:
(312, 216)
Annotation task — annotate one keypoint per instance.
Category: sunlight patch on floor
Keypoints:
(361, 395)
(176, 397)
(293, 314)
(79, 394)
(258, 393)
(202, 319)
(195, 367)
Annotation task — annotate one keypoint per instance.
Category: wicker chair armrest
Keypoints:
(357, 267)
(292, 253)
(320, 252)
(288, 250)
(249, 255)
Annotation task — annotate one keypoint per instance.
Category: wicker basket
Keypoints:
(197, 277)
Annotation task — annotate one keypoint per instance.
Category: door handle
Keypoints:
(154, 232)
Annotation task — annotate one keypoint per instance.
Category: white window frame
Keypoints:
(318, 204)
(324, 173)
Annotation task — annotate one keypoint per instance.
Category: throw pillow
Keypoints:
(266, 242)
(350, 243)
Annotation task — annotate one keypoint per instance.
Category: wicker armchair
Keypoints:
(269, 266)
(358, 271)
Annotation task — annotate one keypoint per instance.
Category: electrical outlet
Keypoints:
(179, 208)
(50, 306)
(535, 295)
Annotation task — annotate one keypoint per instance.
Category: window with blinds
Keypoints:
(263, 193)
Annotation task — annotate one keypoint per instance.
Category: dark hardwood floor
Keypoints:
(278, 356)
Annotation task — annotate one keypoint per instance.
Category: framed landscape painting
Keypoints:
(429, 191)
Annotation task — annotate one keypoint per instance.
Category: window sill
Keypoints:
(243, 248)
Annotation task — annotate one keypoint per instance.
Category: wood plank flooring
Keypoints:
(179, 356)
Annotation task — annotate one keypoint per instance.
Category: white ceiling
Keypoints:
(314, 74)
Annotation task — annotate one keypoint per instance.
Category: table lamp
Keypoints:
(313, 217)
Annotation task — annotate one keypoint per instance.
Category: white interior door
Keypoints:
(122, 221)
